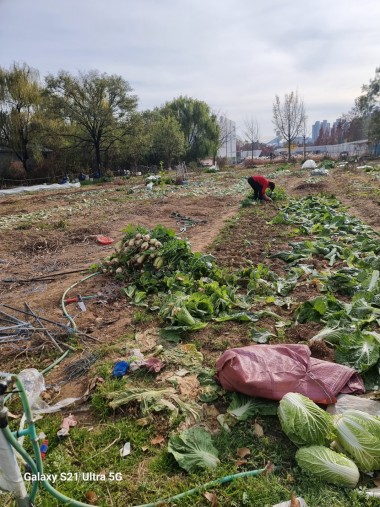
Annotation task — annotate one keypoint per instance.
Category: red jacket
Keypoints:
(261, 181)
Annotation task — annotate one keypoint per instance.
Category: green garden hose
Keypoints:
(54, 364)
(208, 485)
(37, 466)
(72, 322)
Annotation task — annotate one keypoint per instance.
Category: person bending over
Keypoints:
(259, 185)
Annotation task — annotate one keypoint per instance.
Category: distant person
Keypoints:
(259, 185)
(82, 176)
(64, 180)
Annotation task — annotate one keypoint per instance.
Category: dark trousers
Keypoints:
(257, 189)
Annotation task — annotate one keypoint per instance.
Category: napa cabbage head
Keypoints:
(328, 465)
(358, 433)
(304, 422)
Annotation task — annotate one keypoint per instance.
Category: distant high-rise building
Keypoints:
(316, 128)
(315, 131)
(325, 126)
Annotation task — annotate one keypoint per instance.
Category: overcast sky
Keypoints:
(236, 55)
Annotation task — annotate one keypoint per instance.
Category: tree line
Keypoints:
(362, 122)
(89, 121)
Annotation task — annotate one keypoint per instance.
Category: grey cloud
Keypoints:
(234, 54)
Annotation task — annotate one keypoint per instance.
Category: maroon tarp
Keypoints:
(271, 371)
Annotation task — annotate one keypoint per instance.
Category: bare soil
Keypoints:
(60, 237)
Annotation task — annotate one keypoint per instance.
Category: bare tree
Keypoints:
(304, 135)
(289, 117)
(252, 131)
(225, 134)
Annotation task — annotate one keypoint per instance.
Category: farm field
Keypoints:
(50, 243)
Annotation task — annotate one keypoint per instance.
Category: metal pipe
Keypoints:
(44, 328)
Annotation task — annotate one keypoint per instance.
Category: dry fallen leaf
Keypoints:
(13, 416)
(144, 421)
(269, 469)
(290, 479)
(243, 452)
(212, 498)
(157, 440)
(241, 462)
(147, 339)
(187, 423)
(376, 480)
(188, 386)
(182, 372)
(210, 411)
(259, 431)
(92, 385)
(46, 396)
(164, 376)
(91, 497)
(144, 448)
(294, 502)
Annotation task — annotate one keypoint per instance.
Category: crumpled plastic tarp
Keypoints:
(34, 384)
(271, 371)
(349, 402)
(309, 164)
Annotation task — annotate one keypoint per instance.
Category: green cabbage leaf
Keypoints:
(244, 407)
(359, 350)
(193, 449)
(328, 465)
(359, 435)
(304, 422)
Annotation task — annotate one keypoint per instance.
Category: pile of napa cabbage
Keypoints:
(333, 448)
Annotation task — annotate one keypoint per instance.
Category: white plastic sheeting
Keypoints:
(38, 188)
(34, 384)
(309, 164)
(321, 171)
(351, 402)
